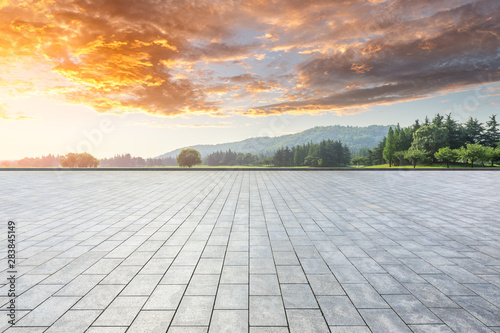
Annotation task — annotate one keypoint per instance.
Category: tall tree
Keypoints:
(378, 152)
(390, 147)
(492, 133)
(438, 120)
(430, 138)
(455, 132)
(473, 131)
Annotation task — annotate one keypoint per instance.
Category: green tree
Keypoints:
(455, 132)
(488, 154)
(430, 138)
(312, 158)
(492, 133)
(358, 160)
(189, 157)
(415, 155)
(471, 153)
(399, 157)
(447, 155)
(438, 120)
(390, 147)
(85, 160)
(70, 160)
(82, 160)
(473, 131)
(377, 155)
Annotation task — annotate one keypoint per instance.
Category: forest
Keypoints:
(326, 153)
(441, 139)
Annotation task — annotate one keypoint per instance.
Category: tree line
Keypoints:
(231, 158)
(441, 140)
(86, 160)
(326, 153)
(126, 160)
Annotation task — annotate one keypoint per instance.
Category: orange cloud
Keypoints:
(177, 58)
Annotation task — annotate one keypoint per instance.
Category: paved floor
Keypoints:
(258, 251)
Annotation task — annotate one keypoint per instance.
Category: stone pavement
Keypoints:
(253, 251)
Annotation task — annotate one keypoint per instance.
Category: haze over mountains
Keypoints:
(354, 137)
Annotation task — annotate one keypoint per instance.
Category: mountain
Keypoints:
(353, 136)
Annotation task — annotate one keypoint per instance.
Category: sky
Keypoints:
(149, 76)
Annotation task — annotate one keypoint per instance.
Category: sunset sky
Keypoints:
(149, 76)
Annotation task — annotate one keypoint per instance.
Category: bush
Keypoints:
(83, 160)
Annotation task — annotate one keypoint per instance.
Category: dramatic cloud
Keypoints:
(246, 57)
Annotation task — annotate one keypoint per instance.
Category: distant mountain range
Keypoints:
(353, 136)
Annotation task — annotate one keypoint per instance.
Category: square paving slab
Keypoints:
(252, 251)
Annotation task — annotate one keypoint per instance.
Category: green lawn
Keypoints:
(433, 166)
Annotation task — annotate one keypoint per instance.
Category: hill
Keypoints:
(353, 136)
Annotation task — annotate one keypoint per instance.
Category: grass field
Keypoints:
(433, 166)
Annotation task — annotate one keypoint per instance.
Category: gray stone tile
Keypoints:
(121, 275)
(103, 266)
(194, 311)
(447, 285)
(314, 266)
(339, 311)
(268, 329)
(298, 296)
(480, 308)
(364, 296)
(421, 253)
(99, 297)
(383, 321)
(121, 312)
(141, 285)
(236, 258)
(347, 274)
(264, 285)
(178, 275)
(203, 285)
(285, 258)
(430, 295)
(35, 296)
(229, 321)
(385, 284)
(411, 310)
(325, 285)
(48, 312)
(367, 266)
(156, 266)
(165, 297)
(209, 266)
(349, 329)
(187, 329)
(460, 320)
(403, 274)
(291, 274)
(151, 321)
(97, 329)
(74, 321)
(232, 297)
(262, 266)
(234, 274)
(306, 321)
(439, 328)
(267, 311)
(80, 286)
